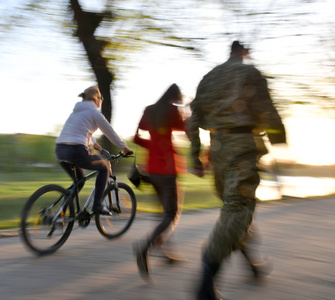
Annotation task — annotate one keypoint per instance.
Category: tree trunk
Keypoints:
(87, 23)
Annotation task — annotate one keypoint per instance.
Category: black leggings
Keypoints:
(166, 188)
(85, 158)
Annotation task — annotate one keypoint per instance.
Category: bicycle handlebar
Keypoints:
(109, 156)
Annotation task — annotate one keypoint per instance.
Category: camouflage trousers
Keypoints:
(236, 178)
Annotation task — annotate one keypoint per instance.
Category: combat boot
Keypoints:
(260, 269)
(207, 289)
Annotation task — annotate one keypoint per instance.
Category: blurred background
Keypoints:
(142, 47)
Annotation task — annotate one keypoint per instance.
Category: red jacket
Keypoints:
(162, 155)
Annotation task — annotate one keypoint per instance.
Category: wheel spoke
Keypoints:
(123, 208)
(43, 234)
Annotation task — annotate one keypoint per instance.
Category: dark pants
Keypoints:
(88, 159)
(236, 179)
(166, 188)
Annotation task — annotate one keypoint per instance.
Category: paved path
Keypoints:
(299, 235)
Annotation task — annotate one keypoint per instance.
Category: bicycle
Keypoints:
(49, 215)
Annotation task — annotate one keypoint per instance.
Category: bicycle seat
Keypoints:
(66, 163)
(69, 166)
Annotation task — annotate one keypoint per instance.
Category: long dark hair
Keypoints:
(159, 112)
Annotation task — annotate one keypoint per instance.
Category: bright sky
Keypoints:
(42, 79)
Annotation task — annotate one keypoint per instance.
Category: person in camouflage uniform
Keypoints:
(231, 101)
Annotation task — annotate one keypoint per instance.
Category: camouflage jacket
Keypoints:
(233, 95)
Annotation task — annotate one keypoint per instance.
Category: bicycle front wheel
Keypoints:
(121, 202)
(40, 230)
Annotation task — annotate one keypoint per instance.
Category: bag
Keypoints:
(134, 175)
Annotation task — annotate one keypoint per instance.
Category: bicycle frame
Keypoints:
(41, 218)
(74, 194)
(112, 179)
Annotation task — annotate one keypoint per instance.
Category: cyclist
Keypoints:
(75, 142)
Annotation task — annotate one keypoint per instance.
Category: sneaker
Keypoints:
(141, 255)
(173, 259)
(102, 211)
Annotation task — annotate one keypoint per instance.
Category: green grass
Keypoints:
(17, 188)
(20, 177)
(198, 194)
(8, 224)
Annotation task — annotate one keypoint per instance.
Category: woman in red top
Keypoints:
(160, 119)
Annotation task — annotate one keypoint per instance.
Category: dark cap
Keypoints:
(237, 46)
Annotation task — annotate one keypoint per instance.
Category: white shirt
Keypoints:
(83, 122)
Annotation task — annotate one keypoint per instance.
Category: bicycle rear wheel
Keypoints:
(121, 202)
(39, 231)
